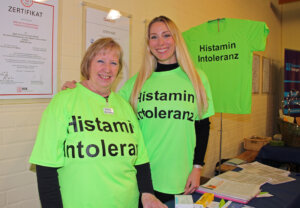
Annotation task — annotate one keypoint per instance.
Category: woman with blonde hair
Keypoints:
(170, 98)
(151, 59)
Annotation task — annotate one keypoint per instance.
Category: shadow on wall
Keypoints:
(276, 92)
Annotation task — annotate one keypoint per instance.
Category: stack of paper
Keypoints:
(244, 185)
(276, 175)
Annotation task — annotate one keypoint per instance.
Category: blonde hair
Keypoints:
(183, 59)
(102, 44)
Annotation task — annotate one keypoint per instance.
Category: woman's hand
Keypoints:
(69, 84)
(150, 201)
(193, 181)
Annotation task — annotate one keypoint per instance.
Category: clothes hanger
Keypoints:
(218, 19)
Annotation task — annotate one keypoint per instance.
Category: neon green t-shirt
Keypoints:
(96, 151)
(166, 111)
(223, 50)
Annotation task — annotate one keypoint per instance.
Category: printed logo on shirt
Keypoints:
(101, 148)
(80, 125)
(216, 48)
(157, 96)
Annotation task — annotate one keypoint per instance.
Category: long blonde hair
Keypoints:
(183, 59)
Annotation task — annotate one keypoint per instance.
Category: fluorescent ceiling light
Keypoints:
(113, 14)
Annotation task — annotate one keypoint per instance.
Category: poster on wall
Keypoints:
(98, 26)
(28, 48)
(291, 83)
(255, 73)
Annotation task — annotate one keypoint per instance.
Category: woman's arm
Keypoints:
(48, 187)
(143, 177)
(146, 188)
(202, 133)
(202, 128)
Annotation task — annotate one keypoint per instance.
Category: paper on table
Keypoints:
(259, 167)
(244, 177)
(276, 175)
(185, 201)
(213, 204)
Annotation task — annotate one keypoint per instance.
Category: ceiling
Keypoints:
(286, 1)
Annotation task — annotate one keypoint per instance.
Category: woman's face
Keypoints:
(104, 69)
(161, 43)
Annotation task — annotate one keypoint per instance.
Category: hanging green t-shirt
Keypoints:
(96, 151)
(167, 108)
(223, 49)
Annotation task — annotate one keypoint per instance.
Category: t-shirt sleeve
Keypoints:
(48, 149)
(125, 93)
(257, 34)
(126, 90)
(142, 152)
(186, 36)
(210, 108)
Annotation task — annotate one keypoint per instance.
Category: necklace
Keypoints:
(107, 109)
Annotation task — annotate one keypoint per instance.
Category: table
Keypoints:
(248, 156)
(278, 155)
(286, 195)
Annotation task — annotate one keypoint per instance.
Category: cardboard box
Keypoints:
(255, 143)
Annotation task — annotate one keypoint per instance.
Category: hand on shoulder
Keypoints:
(69, 84)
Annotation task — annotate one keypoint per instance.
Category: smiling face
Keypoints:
(161, 43)
(103, 70)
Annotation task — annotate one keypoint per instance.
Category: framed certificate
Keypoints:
(28, 49)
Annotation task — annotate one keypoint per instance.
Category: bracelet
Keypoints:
(198, 166)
